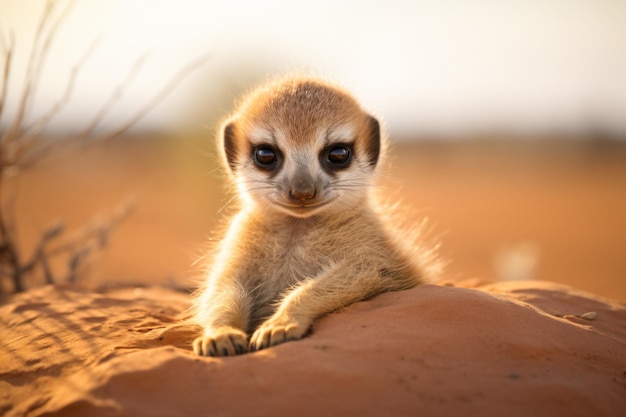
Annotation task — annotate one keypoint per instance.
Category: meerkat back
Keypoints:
(308, 238)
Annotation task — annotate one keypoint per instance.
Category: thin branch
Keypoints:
(47, 271)
(35, 128)
(11, 251)
(7, 50)
(51, 35)
(35, 65)
(78, 246)
(74, 141)
(11, 179)
(75, 262)
(52, 232)
(13, 131)
(117, 94)
(79, 140)
(97, 229)
(8, 242)
(3, 42)
(183, 73)
(46, 46)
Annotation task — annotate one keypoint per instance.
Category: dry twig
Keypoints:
(23, 146)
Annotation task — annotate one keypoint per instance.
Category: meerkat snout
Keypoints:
(303, 188)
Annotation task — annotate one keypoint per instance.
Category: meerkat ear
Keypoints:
(229, 144)
(372, 141)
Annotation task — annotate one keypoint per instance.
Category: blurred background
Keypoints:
(508, 123)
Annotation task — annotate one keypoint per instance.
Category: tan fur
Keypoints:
(281, 263)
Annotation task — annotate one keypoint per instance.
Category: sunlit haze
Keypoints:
(424, 67)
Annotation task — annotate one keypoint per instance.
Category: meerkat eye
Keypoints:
(339, 155)
(265, 156)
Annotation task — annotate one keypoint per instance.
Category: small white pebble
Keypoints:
(592, 315)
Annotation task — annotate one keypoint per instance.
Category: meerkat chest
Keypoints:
(293, 251)
(301, 249)
(295, 244)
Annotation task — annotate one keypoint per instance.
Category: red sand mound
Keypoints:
(514, 349)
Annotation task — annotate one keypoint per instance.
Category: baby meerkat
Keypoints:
(309, 237)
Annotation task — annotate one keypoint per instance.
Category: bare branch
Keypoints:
(9, 250)
(52, 232)
(51, 35)
(79, 140)
(75, 262)
(35, 128)
(94, 230)
(47, 272)
(13, 131)
(8, 244)
(74, 141)
(11, 183)
(77, 247)
(3, 42)
(40, 58)
(117, 94)
(157, 98)
(7, 50)
(20, 147)
(36, 63)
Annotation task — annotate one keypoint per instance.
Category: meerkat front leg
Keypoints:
(223, 313)
(338, 286)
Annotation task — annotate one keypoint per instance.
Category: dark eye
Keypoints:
(264, 156)
(339, 155)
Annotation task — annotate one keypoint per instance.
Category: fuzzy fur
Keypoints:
(285, 261)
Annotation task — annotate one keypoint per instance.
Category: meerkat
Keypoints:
(309, 237)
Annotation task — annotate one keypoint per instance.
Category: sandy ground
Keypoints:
(515, 349)
(519, 211)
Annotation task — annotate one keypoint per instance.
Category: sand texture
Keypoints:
(514, 349)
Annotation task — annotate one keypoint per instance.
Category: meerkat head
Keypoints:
(301, 147)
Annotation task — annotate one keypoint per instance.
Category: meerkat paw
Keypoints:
(277, 330)
(223, 341)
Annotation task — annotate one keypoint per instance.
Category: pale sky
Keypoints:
(448, 67)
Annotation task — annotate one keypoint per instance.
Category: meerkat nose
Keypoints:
(302, 189)
(302, 194)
